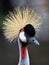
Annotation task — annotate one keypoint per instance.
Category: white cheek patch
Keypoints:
(22, 37)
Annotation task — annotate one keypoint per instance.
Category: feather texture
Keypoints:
(17, 20)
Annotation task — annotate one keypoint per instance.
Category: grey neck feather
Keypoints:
(22, 61)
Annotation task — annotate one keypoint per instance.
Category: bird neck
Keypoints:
(23, 54)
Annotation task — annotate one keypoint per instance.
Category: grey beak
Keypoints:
(33, 41)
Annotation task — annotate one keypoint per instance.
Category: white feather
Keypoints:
(22, 37)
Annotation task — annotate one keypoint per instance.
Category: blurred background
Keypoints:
(39, 55)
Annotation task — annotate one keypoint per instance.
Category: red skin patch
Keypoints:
(22, 30)
(24, 52)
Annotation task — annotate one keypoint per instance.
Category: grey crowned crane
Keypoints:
(22, 25)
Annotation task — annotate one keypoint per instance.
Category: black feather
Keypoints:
(29, 30)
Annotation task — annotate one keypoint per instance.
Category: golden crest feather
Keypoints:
(14, 22)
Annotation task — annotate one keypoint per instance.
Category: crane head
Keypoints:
(27, 35)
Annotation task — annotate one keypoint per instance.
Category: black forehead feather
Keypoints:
(29, 30)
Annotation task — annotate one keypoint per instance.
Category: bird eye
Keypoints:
(33, 40)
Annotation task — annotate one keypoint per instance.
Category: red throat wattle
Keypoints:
(24, 52)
